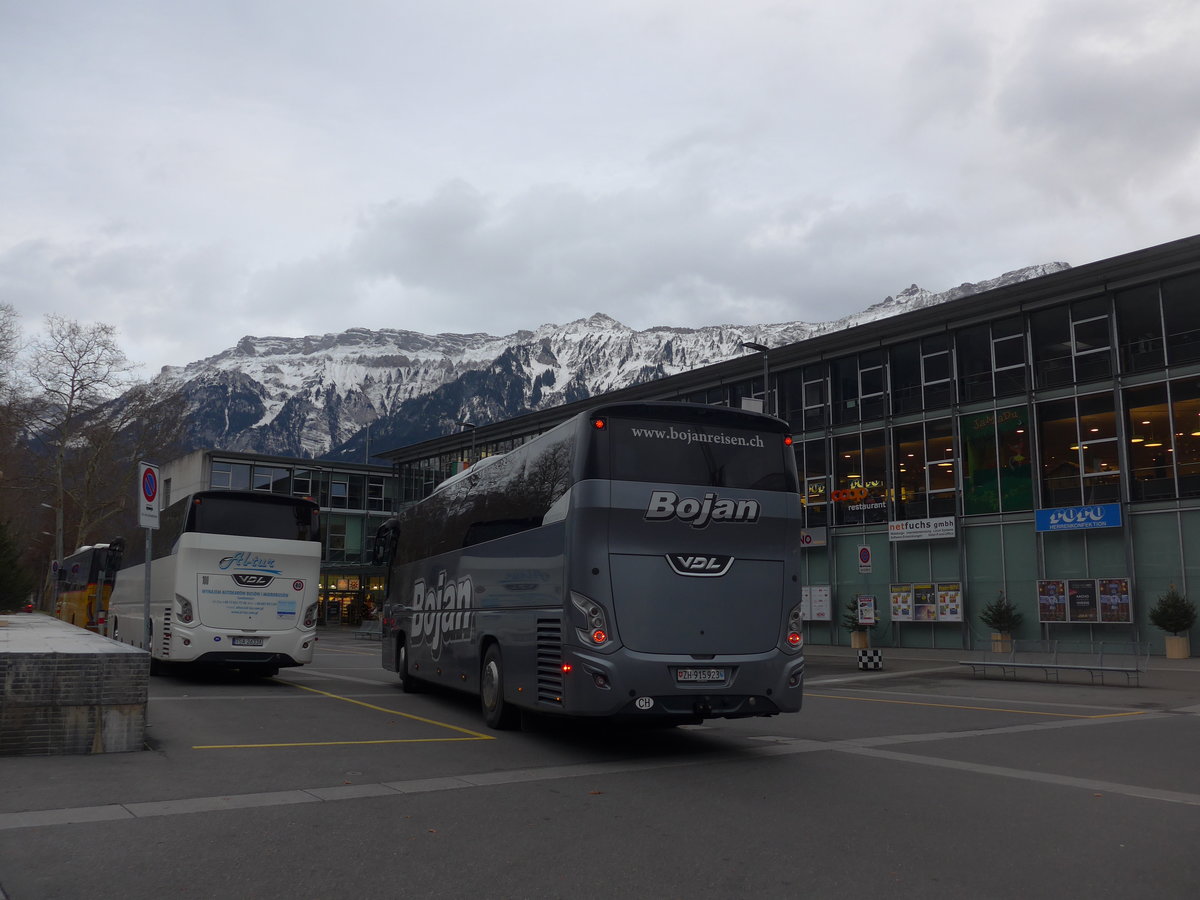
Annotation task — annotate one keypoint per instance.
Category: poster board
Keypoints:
(949, 601)
(1082, 605)
(865, 605)
(1052, 601)
(924, 603)
(901, 602)
(1116, 606)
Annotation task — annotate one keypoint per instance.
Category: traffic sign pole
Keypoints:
(148, 505)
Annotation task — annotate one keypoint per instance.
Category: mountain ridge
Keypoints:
(314, 396)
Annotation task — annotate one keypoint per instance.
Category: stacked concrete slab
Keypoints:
(65, 690)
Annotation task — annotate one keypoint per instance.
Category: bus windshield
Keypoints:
(698, 453)
(285, 519)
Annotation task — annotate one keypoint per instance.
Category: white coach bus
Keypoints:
(234, 582)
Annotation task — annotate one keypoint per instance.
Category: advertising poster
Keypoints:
(1115, 605)
(1052, 601)
(1081, 600)
(822, 607)
(866, 609)
(901, 602)
(806, 604)
(924, 603)
(949, 600)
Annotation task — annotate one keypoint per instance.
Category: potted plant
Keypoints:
(1003, 618)
(1176, 615)
(859, 631)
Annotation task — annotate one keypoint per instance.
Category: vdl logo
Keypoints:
(252, 580)
(701, 566)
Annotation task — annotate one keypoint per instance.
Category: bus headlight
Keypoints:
(595, 632)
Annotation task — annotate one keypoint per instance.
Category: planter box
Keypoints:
(1178, 646)
(860, 640)
(1002, 642)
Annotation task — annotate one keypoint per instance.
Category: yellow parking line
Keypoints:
(482, 737)
(471, 735)
(1020, 712)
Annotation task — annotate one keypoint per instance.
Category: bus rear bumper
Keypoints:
(648, 686)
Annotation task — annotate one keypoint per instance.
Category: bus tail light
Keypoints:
(186, 615)
(310, 616)
(595, 632)
(793, 632)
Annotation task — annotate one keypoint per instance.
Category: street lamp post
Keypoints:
(765, 351)
(467, 423)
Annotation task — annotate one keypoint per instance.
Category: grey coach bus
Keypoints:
(640, 560)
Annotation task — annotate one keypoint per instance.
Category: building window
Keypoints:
(1185, 414)
(335, 538)
(1080, 462)
(376, 496)
(843, 387)
(871, 385)
(1140, 329)
(911, 491)
(1091, 337)
(1008, 356)
(229, 476)
(1181, 314)
(815, 405)
(1148, 431)
(1051, 333)
(904, 371)
(860, 479)
(973, 352)
(816, 483)
(302, 483)
(941, 467)
(339, 491)
(275, 479)
(936, 371)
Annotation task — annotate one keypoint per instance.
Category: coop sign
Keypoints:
(1074, 518)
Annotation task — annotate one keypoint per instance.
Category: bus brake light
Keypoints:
(787, 440)
(599, 636)
(599, 424)
(795, 639)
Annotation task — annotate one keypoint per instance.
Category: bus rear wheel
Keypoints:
(496, 712)
(408, 684)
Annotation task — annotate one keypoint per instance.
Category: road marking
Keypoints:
(860, 746)
(1020, 712)
(471, 735)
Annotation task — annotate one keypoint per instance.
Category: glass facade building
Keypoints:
(1040, 434)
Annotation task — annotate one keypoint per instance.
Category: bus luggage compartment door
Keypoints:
(658, 610)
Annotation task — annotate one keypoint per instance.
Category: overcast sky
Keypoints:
(192, 172)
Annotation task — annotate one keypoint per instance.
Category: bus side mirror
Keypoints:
(385, 542)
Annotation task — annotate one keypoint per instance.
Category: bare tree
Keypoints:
(73, 369)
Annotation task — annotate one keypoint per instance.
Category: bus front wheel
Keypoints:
(496, 712)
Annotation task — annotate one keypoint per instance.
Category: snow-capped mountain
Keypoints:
(315, 396)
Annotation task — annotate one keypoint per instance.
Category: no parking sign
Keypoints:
(864, 559)
(148, 493)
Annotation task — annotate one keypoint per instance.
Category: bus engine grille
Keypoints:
(549, 661)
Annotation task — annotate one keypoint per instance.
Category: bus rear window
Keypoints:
(698, 454)
(234, 515)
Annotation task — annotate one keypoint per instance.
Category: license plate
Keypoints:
(248, 641)
(698, 675)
